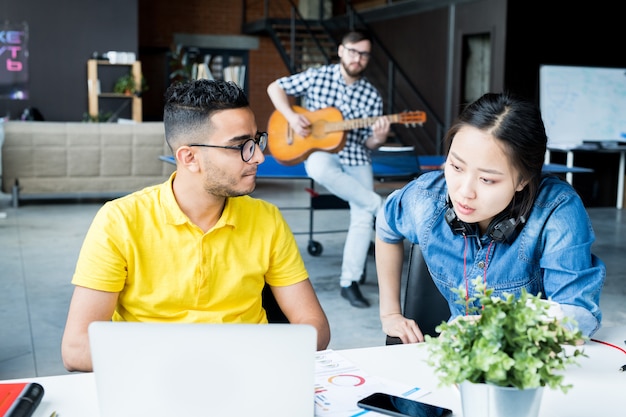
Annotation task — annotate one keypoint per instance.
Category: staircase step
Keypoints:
(300, 40)
(299, 27)
(312, 45)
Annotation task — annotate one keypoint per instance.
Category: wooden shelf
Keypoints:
(93, 88)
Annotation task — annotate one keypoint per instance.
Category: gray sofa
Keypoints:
(81, 160)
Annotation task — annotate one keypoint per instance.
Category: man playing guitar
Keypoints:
(347, 173)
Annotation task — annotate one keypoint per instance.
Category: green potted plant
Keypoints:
(126, 85)
(180, 64)
(503, 358)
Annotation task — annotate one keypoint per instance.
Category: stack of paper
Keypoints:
(339, 384)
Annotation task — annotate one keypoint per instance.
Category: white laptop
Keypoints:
(203, 370)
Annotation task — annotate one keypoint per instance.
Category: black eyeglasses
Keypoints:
(247, 148)
(353, 53)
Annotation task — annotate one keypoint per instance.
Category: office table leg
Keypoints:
(570, 163)
(620, 180)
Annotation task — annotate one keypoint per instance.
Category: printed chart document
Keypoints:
(339, 384)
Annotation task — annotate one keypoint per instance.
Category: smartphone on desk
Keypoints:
(392, 405)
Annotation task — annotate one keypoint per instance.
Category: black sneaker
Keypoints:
(353, 294)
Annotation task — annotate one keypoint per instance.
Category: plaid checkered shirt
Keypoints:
(325, 87)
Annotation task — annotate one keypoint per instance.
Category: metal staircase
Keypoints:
(301, 43)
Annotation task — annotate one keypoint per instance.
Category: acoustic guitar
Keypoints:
(327, 132)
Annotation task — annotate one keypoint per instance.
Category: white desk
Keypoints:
(598, 385)
(589, 148)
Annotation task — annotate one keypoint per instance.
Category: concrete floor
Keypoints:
(40, 241)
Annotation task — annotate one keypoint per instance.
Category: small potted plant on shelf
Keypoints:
(126, 85)
(503, 358)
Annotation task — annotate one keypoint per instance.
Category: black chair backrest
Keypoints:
(422, 300)
(272, 309)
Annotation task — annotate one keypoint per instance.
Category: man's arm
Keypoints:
(298, 122)
(301, 306)
(87, 305)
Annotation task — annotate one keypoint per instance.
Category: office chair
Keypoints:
(422, 300)
(272, 309)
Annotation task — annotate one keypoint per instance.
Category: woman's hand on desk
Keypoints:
(397, 325)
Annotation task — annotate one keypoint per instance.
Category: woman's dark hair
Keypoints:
(517, 123)
(190, 105)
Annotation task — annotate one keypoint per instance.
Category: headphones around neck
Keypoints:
(501, 229)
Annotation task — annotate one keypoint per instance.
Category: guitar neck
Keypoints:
(357, 123)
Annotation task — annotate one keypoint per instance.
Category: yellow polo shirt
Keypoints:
(165, 268)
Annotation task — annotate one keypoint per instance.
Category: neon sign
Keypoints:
(14, 61)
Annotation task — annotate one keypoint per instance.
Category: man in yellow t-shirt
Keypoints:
(196, 248)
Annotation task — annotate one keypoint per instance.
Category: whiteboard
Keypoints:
(582, 103)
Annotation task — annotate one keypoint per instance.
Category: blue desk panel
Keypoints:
(272, 169)
(386, 166)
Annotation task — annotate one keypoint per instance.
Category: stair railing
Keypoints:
(393, 68)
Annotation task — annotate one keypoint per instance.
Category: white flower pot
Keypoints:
(486, 400)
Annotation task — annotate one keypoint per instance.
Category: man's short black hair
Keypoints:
(204, 96)
(190, 105)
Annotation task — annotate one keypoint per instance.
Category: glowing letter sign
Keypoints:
(14, 61)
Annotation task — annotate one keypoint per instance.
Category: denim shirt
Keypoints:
(551, 254)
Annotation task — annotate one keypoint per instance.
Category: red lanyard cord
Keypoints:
(465, 273)
(465, 276)
(608, 344)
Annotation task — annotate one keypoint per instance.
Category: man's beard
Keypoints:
(355, 74)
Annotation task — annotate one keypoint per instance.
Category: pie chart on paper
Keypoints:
(347, 380)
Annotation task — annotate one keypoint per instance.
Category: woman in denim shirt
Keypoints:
(491, 213)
